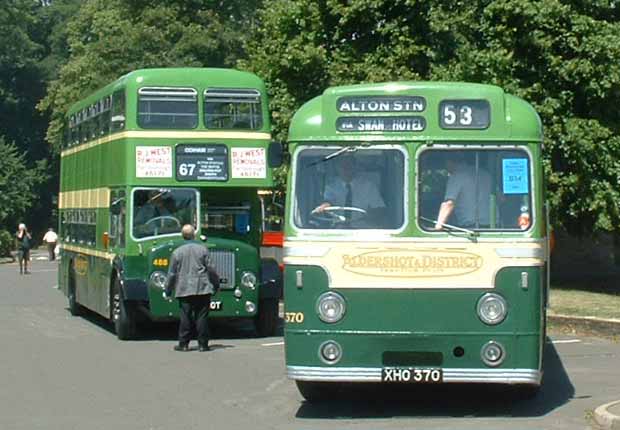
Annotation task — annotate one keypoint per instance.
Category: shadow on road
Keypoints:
(168, 330)
(450, 400)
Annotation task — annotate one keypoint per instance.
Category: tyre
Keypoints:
(315, 392)
(267, 319)
(123, 314)
(74, 307)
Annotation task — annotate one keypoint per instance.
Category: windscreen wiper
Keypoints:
(452, 228)
(334, 155)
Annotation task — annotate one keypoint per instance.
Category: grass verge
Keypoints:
(580, 302)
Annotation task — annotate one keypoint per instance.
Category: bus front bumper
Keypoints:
(373, 374)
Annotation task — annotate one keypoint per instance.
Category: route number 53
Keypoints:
(464, 114)
(461, 115)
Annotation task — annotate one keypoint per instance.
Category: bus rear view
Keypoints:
(415, 239)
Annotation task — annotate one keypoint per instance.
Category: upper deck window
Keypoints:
(350, 188)
(478, 189)
(233, 109)
(167, 108)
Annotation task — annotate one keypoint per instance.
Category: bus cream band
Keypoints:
(84, 199)
(169, 135)
(406, 265)
(87, 251)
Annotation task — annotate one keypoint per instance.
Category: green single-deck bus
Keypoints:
(148, 153)
(415, 246)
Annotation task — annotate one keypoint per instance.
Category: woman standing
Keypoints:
(24, 243)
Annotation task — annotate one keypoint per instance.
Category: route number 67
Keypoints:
(186, 169)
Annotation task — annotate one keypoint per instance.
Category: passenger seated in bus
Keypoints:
(359, 198)
(460, 200)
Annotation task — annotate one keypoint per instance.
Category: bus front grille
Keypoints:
(224, 262)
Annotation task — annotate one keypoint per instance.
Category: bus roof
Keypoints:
(196, 77)
(354, 112)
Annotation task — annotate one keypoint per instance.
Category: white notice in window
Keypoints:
(248, 163)
(153, 162)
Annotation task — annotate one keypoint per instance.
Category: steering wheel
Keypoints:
(163, 219)
(331, 214)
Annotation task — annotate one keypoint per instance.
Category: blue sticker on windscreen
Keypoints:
(514, 172)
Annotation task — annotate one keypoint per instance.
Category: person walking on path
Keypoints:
(50, 239)
(193, 280)
(23, 241)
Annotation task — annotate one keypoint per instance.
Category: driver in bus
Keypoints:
(154, 207)
(351, 190)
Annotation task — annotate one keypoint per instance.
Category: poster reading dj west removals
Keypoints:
(248, 163)
(153, 162)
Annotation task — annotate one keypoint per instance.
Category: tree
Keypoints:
(561, 56)
(109, 38)
(18, 184)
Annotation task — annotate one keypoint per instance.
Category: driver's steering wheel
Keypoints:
(162, 218)
(330, 214)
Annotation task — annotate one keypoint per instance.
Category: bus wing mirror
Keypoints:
(116, 207)
(275, 154)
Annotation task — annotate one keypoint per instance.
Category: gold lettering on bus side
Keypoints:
(412, 263)
(80, 263)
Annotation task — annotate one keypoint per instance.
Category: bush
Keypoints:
(7, 243)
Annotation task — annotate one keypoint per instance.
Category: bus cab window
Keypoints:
(361, 188)
(479, 189)
(163, 211)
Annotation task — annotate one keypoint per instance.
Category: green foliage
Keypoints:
(17, 184)
(562, 56)
(7, 243)
(109, 38)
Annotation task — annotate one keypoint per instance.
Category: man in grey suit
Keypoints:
(194, 280)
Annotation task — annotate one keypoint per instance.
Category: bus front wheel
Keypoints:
(267, 319)
(123, 314)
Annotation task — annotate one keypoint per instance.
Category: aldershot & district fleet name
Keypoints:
(413, 263)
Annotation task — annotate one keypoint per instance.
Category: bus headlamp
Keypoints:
(330, 352)
(158, 279)
(248, 280)
(330, 307)
(492, 308)
(493, 354)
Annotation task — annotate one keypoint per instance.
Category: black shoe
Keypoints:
(204, 348)
(181, 348)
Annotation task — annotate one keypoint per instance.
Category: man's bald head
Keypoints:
(188, 232)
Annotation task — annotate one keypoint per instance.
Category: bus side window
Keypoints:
(117, 218)
(118, 111)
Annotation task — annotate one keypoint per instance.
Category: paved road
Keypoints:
(62, 372)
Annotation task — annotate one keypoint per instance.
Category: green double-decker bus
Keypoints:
(415, 246)
(150, 152)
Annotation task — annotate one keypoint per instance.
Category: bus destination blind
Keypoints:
(201, 163)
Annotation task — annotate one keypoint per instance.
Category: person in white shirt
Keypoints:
(350, 190)
(467, 196)
(50, 239)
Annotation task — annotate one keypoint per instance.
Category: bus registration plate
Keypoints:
(411, 375)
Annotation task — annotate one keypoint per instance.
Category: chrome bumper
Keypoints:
(373, 374)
